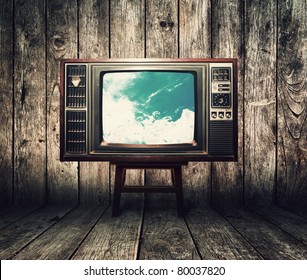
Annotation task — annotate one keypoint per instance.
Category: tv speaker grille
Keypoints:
(76, 86)
(76, 132)
(221, 138)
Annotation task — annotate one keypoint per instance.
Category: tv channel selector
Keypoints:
(221, 100)
(221, 92)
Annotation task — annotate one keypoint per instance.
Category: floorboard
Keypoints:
(13, 214)
(115, 238)
(270, 241)
(216, 239)
(165, 236)
(18, 235)
(61, 240)
(287, 221)
(153, 232)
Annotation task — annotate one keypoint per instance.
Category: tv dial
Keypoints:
(221, 100)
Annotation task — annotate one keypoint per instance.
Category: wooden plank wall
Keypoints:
(6, 102)
(260, 100)
(269, 38)
(29, 129)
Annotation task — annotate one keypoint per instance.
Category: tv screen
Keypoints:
(148, 107)
(149, 110)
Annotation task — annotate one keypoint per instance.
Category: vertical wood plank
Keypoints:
(227, 41)
(30, 103)
(194, 42)
(292, 105)
(93, 29)
(62, 43)
(6, 102)
(195, 28)
(127, 27)
(260, 101)
(94, 43)
(161, 41)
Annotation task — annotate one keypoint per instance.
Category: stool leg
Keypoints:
(119, 182)
(177, 177)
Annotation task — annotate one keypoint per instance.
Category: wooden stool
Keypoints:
(119, 186)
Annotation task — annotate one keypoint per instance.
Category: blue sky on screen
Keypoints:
(148, 107)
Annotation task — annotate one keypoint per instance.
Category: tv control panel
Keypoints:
(75, 105)
(221, 91)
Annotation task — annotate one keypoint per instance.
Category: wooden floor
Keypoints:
(146, 232)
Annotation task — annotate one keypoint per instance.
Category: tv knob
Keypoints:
(228, 115)
(214, 115)
(221, 115)
(221, 100)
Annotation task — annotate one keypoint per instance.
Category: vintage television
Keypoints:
(149, 110)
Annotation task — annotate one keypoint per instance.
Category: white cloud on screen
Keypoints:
(152, 95)
(120, 125)
(117, 82)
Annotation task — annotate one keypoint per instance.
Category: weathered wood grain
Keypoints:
(216, 239)
(127, 28)
(196, 179)
(84, 233)
(15, 237)
(227, 41)
(270, 241)
(30, 103)
(61, 240)
(289, 222)
(194, 42)
(195, 28)
(94, 43)
(115, 238)
(260, 101)
(165, 236)
(93, 29)
(94, 183)
(162, 41)
(292, 105)
(6, 102)
(62, 178)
